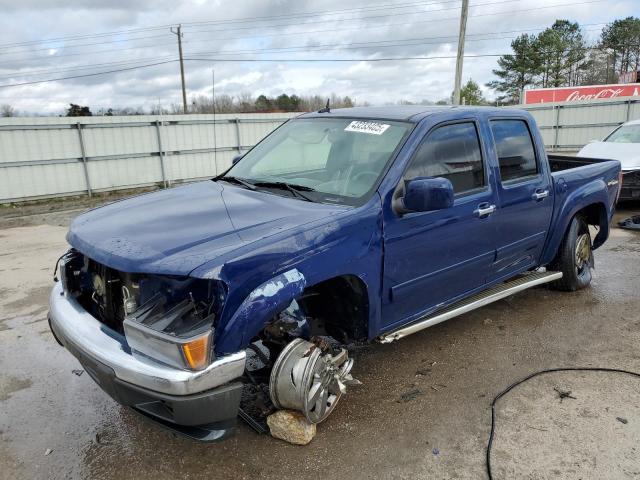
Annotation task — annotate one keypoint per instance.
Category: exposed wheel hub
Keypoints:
(583, 252)
(309, 379)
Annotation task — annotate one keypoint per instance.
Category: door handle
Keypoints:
(484, 210)
(540, 194)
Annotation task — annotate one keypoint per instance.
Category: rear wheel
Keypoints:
(575, 258)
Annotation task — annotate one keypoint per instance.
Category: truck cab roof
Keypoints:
(405, 113)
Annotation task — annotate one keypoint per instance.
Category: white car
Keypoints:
(623, 144)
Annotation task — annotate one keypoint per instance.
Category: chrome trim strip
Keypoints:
(476, 301)
(74, 325)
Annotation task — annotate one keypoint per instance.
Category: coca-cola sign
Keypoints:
(580, 94)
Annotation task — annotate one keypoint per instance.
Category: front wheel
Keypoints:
(575, 258)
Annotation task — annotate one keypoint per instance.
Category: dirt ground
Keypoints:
(422, 412)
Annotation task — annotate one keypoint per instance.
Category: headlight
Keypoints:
(176, 332)
(193, 352)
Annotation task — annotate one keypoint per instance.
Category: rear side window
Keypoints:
(453, 152)
(514, 146)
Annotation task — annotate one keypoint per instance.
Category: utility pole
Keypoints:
(459, 60)
(178, 32)
(213, 105)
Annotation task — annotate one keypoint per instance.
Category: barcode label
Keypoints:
(371, 128)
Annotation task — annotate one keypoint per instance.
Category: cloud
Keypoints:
(215, 31)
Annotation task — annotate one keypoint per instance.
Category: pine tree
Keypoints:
(518, 70)
(562, 51)
(472, 94)
(622, 37)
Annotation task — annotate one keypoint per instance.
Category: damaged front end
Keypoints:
(148, 341)
(170, 319)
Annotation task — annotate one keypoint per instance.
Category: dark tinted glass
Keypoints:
(452, 152)
(516, 155)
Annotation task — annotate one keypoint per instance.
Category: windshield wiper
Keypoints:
(296, 190)
(237, 180)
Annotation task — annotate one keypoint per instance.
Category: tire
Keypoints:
(575, 258)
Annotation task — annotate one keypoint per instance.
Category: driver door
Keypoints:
(432, 258)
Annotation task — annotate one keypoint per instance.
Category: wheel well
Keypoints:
(596, 214)
(338, 307)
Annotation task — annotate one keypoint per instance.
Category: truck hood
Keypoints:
(628, 154)
(176, 230)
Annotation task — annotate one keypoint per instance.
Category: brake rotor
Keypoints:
(306, 379)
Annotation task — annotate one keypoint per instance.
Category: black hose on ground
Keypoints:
(529, 377)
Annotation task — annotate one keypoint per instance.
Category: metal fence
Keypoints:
(49, 157)
(569, 126)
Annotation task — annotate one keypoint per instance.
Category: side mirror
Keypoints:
(236, 159)
(426, 194)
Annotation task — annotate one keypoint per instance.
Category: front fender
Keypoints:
(592, 193)
(263, 302)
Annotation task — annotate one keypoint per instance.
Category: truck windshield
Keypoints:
(326, 159)
(625, 134)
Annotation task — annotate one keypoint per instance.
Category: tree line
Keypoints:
(559, 56)
(243, 103)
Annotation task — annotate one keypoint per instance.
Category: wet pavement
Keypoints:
(423, 410)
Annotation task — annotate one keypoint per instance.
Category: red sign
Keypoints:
(578, 94)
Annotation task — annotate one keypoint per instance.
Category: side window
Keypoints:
(453, 152)
(514, 146)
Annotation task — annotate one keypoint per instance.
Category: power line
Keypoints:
(290, 24)
(381, 6)
(161, 27)
(248, 60)
(85, 67)
(47, 49)
(359, 45)
(334, 12)
(437, 20)
(349, 46)
(87, 74)
(192, 32)
(271, 60)
(432, 21)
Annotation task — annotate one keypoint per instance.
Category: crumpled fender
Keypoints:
(263, 302)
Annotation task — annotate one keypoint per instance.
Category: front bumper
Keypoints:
(202, 404)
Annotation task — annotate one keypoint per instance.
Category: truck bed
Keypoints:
(559, 162)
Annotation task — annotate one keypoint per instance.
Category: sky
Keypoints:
(252, 45)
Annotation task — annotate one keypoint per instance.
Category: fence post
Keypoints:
(237, 122)
(628, 115)
(161, 153)
(557, 129)
(83, 152)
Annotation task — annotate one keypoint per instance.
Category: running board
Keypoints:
(475, 301)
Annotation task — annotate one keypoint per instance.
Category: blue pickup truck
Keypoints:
(341, 226)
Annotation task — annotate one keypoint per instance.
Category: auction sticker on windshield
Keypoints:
(371, 128)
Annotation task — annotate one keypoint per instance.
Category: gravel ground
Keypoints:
(423, 410)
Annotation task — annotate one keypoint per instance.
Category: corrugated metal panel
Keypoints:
(42, 156)
(41, 180)
(569, 126)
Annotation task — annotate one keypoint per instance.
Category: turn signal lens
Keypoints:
(196, 352)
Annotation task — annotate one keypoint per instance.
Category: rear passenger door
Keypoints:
(525, 197)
